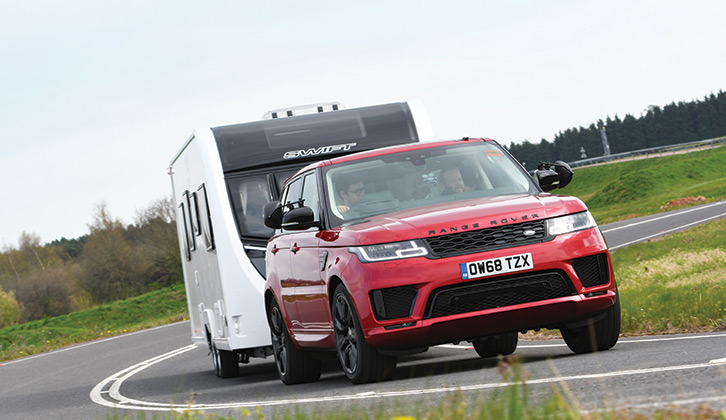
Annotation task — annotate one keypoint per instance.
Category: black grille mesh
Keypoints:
(397, 302)
(489, 294)
(592, 270)
(487, 239)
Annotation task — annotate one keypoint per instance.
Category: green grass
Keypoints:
(628, 189)
(155, 308)
(676, 283)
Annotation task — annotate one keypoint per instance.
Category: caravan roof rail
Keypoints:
(303, 110)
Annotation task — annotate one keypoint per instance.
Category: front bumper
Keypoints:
(571, 280)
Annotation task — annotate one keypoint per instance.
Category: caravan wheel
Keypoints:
(225, 363)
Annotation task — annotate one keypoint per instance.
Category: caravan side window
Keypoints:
(182, 218)
(189, 224)
(194, 214)
(205, 218)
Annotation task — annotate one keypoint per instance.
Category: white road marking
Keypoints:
(644, 340)
(613, 248)
(119, 401)
(665, 216)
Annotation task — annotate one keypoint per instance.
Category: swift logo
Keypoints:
(318, 151)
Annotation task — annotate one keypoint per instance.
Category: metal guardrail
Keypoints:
(653, 150)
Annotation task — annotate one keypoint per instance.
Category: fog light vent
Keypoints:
(592, 270)
(396, 302)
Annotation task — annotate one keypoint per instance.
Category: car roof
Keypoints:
(390, 150)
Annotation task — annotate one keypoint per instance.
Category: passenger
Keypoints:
(351, 191)
(451, 181)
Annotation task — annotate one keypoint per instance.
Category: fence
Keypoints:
(673, 148)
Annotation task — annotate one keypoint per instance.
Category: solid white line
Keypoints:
(667, 231)
(645, 340)
(665, 217)
(132, 404)
(118, 378)
(90, 343)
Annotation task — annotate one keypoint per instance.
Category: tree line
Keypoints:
(113, 261)
(674, 123)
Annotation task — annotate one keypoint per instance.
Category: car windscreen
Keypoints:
(411, 179)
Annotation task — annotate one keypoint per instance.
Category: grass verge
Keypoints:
(629, 189)
(152, 309)
(676, 283)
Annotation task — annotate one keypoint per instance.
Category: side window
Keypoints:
(194, 214)
(182, 218)
(294, 190)
(281, 177)
(189, 224)
(310, 194)
(205, 218)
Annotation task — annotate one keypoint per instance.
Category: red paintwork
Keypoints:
(303, 289)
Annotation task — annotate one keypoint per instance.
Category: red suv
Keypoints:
(390, 251)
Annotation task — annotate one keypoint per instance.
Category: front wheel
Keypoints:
(595, 336)
(294, 366)
(360, 362)
(502, 344)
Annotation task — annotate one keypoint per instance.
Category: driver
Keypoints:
(451, 181)
(352, 192)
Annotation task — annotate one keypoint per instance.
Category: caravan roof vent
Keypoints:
(303, 110)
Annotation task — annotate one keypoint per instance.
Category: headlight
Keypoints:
(390, 251)
(570, 223)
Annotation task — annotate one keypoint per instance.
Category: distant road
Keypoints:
(628, 232)
(157, 369)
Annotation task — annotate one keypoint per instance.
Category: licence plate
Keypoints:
(501, 265)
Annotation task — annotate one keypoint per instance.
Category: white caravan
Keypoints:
(223, 176)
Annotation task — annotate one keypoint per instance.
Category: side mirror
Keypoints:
(553, 175)
(272, 214)
(564, 172)
(300, 218)
(547, 179)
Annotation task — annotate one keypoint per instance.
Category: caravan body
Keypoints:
(221, 179)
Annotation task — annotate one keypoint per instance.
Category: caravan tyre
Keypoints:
(294, 366)
(225, 363)
(361, 363)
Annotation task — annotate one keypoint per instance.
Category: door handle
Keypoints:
(295, 248)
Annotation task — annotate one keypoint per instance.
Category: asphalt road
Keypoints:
(157, 370)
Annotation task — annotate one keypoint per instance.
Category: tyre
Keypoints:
(502, 344)
(294, 366)
(225, 362)
(361, 363)
(595, 336)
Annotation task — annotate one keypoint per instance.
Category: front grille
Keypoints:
(487, 239)
(592, 270)
(396, 302)
(490, 294)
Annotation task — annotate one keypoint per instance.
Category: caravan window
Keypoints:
(190, 226)
(205, 218)
(249, 195)
(183, 217)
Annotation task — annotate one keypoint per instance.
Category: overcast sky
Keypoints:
(97, 96)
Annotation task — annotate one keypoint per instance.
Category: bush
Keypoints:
(9, 309)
